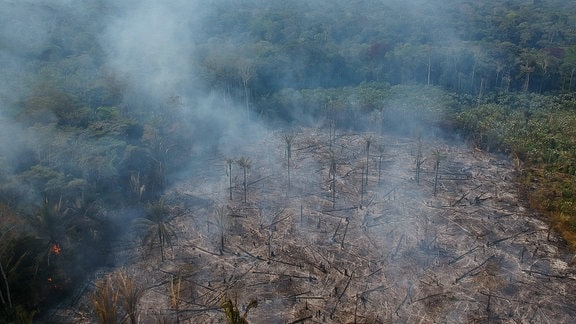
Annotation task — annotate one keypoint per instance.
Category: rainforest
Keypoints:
(368, 161)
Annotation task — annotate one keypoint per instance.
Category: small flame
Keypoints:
(55, 248)
(50, 279)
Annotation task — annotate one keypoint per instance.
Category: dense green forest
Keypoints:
(104, 104)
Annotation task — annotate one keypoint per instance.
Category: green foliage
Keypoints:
(22, 281)
(156, 227)
(386, 66)
(540, 132)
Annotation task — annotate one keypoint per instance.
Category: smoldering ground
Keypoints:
(314, 244)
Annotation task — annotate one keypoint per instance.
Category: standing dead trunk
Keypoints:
(368, 140)
(161, 239)
(380, 157)
(246, 71)
(245, 164)
(362, 188)
(418, 160)
(288, 140)
(437, 157)
(229, 171)
(332, 173)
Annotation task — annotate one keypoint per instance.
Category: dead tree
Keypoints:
(419, 160)
(380, 157)
(221, 213)
(246, 72)
(368, 139)
(332, 174)
(229, 162)
(288, 140)
(362, 187)
(245, 164)
(437, 158)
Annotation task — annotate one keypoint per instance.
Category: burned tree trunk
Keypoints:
(245, 164)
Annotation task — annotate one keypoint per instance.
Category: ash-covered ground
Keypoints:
(436, 233)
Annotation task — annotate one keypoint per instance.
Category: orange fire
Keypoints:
(49, 279)
(56, 248)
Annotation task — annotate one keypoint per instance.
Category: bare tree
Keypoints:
(288, 140)
(380, 157)
(229, 162)
(220, 214)
(419, 160)
(332, 174)
(437, 157)
(368, 139)
(246, 72)
(245, 164)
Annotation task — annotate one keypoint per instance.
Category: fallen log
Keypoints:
(201, 249)
(286, 263)
(341, 294)
(339, 209)
(467, 273)
(509, 237)
(381, 287)
(301, 320)
(463, 255)
(530, 272)
(429, 296)
(464, 196)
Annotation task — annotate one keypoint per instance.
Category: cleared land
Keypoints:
(450, 243)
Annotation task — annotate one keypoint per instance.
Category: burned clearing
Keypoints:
(350, 228)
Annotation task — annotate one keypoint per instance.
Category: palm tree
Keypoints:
(245, 164)
(52, 225)
(155, 224)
